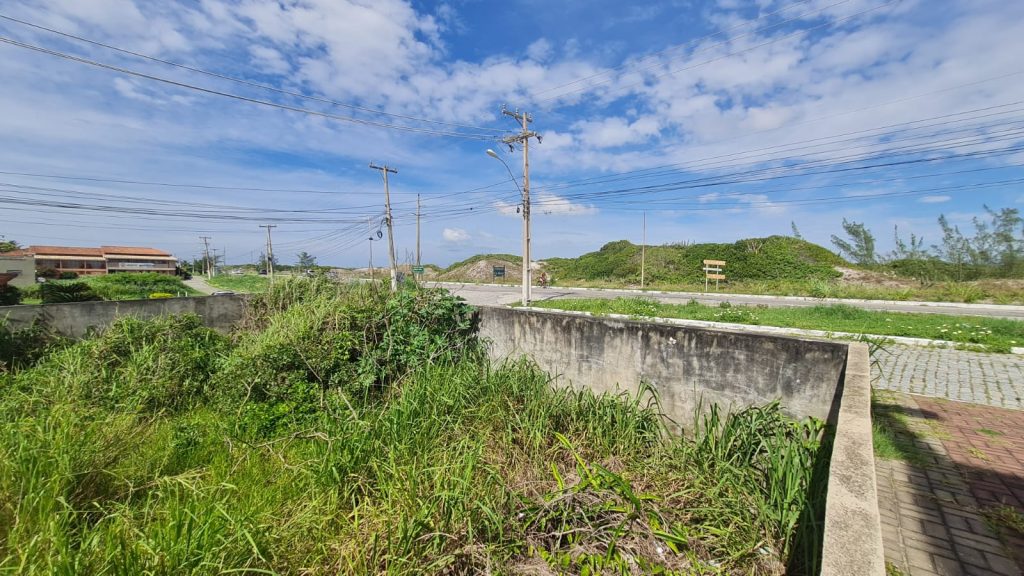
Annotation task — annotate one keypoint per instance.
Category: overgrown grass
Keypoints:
(248, 283)
(994, 334)
(348, 431)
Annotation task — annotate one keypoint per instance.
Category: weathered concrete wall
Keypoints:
(685, 365)
(77, 318)
(853, 529)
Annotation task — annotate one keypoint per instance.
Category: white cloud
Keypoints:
(937, 199)
(455, 235)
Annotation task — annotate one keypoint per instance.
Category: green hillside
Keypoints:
(474, 259)
(771, 258)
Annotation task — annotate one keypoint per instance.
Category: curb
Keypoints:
(696, 295)
(776, 330)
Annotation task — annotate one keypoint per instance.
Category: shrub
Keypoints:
(160, 295)
(68, 276)
(22, 348)
(148, 365)
(135, 285)
(59, 293)
(9, 295)
(355, 340)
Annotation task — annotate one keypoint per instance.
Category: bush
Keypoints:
(22, 348)
(9, 295)
(160, 295)
(135, 285)
(149, 365)
(68, 276)
(59, 293)
(355, 340)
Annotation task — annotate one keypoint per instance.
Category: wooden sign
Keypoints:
(713, 271)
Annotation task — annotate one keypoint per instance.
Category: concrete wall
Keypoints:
(684, 364)
(25, 266)
(77, 318)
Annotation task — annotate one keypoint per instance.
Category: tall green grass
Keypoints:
(349, 431)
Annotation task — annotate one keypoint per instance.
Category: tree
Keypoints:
(861, 246)
(306, 261)
(914, 251)
(954, 249)
(8, 245)
(796, 231)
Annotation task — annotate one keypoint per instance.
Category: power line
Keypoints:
(73, 58)
(247, 82)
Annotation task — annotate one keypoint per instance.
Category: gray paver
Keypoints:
(975, 377)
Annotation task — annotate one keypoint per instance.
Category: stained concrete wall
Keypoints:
(76, 319)
(686, 365)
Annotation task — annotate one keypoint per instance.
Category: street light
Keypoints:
(526, 228)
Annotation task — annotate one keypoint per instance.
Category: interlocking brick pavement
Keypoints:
(975, 377)
(933, 510)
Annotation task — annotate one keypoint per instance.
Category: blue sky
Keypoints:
(723, 120)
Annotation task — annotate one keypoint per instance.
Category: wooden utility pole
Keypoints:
(384, 170)
(523, 138)
(643, 251)
(206, 255)
(270, 250)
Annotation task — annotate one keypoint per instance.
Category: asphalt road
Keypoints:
(487, 294)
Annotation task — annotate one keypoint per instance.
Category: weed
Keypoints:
(989, 432)
(1004, 517)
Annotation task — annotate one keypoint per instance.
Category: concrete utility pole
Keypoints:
(270, 250)
(523, 138)
(384, 170)
(206, 256)
(643, 251)
(418, 263)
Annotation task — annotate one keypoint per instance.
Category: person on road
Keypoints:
(543, 280)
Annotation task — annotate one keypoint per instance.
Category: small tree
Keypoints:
(8, 245)
(861, 246)
(796, 231)
(914, 251)
(306, 260)
(954, 249)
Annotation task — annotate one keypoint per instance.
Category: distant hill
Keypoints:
(771, 258)
(480, 268)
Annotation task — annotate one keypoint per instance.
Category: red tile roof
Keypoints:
(61, 251)
(133, 251)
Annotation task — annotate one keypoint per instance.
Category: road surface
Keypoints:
(490, 294)
(198, 283)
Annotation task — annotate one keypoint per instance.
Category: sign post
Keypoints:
(499, 272)
(417, 269)
(713, 271)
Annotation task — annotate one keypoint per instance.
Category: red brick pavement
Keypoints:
(987, 445)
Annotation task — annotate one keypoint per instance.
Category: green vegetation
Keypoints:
(121, 286)
(247, 283)
(891, 433)
(994, 334)
(345, 430)
(473, 259)
(772, 258)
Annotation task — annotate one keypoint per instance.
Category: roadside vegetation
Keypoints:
(122, 286)
(245, 283)
(994, 334)
(345, 430)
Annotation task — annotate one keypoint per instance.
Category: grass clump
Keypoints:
(345, 430)
(129, 285)
(994, 334)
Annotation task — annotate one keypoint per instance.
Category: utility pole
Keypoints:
(418, 263)
(384, 170)
(270, 250)
(643, 252)
(206, 255)
(523, 138)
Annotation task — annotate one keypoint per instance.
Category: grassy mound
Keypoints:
(404, 452)
(772, 258)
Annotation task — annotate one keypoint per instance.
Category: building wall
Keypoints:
(24, 266)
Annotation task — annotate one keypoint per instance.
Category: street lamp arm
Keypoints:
(494, 155)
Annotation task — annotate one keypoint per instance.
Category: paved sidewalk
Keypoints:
(948, 504)
(975, 377)
(199, 284)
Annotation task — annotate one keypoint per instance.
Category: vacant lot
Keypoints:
(345, 430)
